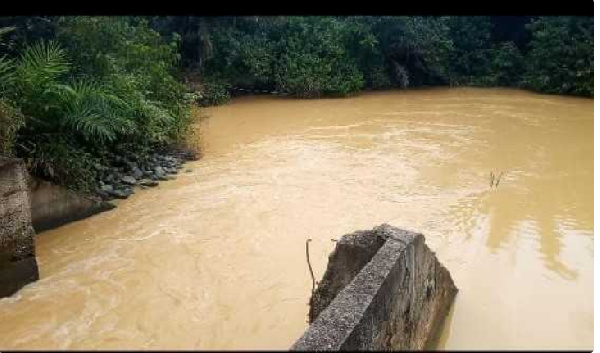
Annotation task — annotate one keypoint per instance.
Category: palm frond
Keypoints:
(41, 64)
(4, 31)
(94, 112)
(7, 74)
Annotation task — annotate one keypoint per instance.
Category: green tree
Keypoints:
(103, 84)
(313, 59)
(561, 56)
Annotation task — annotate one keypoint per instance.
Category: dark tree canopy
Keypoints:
(347, 54)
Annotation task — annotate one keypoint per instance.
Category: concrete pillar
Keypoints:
(18, 265)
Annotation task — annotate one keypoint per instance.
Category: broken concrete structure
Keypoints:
(28, 205)
(53, 205)
(18, 265)
(384, 289)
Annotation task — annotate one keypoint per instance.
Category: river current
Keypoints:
(216, 260)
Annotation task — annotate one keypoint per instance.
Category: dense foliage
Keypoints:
(561, 56)
(74, 90)
(315, 56)
(101, 85)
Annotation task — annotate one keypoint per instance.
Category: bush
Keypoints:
(59, 158)
(110, 84)
(213, 92)
(378, 78)
(507, 65)
(305, 57)
(561, 56)
(135, 63)
(11, 120)
(471, 55)
(316, 56)
(314, 60)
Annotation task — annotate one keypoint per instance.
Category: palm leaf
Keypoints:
(94, 112)
(7, 75)
(41, 65)
(3, 32)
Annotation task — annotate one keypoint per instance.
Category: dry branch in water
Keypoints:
(500, 176)
(494, 179)
(312, 275)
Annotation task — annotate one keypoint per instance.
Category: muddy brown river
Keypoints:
(215, 259)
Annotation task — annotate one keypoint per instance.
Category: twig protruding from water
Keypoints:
(493, 179)
(312, 275)
(500, 176)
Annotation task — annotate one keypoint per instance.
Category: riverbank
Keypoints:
(205, 99)
(119, 179)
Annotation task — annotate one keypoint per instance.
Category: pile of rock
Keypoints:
(126, 172)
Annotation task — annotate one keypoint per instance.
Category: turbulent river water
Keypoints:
(215, 259)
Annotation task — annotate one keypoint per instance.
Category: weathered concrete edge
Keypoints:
(338, 327)
(18, 265)
(348, 308)
(65, 206)
(59, 205)
(436, 330)
(352, 252)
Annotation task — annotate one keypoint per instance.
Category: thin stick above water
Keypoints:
(498, 182)
(312, 275)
